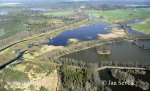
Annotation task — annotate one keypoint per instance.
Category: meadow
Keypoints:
(59, 13)
(114, 16)
(30, 21)
(145, 28)
(123, 14)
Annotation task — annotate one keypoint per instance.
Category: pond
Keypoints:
(39, 9)
(120, 52)
(83, 33)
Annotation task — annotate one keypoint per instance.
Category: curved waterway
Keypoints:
(13, 60)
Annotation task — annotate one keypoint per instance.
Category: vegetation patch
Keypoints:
(63, 13)
(73, 40)
(145, 28)
(122, 14)
(77, 78)
(10, 75)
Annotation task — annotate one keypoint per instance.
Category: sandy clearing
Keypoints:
(49, 82)
(47, 48)
(145, 21)
(115, 33)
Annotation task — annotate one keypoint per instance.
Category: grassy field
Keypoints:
(113, 16)
(13, 24)
(2, 32)
(30, 21)
(63, 13)
(145, 28)
(123, 14)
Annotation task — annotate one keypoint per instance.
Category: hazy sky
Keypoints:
(65, 0)
(41, 0)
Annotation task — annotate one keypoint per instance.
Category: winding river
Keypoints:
(13, 60)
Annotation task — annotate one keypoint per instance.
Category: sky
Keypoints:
(65, 0)
(40, 0)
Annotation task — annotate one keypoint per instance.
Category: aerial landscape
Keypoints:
(74, 45)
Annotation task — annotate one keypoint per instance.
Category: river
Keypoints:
(13, 60)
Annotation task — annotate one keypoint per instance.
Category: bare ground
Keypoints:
(115, 33)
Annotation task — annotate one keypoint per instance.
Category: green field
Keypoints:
(123, 14)
(63, 13)
(145, 28)
(14, 23)
(113, 16)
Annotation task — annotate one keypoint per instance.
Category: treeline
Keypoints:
(26, 34)
(126, 63)
(137, 72)
(121, 75)
(100, 6)
(84, 63)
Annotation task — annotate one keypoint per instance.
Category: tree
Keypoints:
(43, 89)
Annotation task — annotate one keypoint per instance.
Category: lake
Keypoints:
(84, 33)
(38, 9)
(120, 52)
